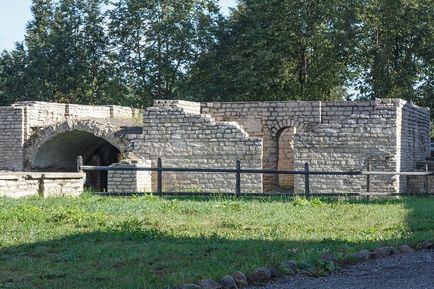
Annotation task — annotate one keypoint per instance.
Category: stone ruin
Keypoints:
(46, 138)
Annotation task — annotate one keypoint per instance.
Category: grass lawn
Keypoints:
(148, 242)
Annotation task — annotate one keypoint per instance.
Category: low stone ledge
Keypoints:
(27, 184)
(38, 175)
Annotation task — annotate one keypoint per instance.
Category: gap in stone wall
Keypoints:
(60, 154)
(285, 139)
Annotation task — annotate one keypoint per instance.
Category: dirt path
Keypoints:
(408, 271)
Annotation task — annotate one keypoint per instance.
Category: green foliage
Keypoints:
(101, 242)
(157, 41)
(396, 52)
(278, 50)
(136, 52)
(63, 57)
(132, 52)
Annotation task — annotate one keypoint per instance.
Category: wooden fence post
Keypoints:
(238, 179)
(41, 187)
(159, 176)
(79, 164)
(306, 181)
(426, 179)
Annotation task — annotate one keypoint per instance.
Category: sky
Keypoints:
(14, 15)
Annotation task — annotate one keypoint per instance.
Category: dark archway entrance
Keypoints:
(285, 159)
(60, 154)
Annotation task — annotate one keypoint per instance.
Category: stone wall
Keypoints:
(11, 138)
(22, 123)
(338, 111)
(391, 134)
(188, 139)
(266, 120)
(41, 114)
(16, 185)
(130, 181)
(413, 139)
(187, 106)
(336, 136)
(372, 134)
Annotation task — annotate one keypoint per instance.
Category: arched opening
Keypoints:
(285, 158)
(60, 154)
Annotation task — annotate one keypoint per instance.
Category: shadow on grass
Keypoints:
(132, 257)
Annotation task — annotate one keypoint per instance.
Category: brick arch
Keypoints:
(99, 130)
(280, 125)
(271, 147)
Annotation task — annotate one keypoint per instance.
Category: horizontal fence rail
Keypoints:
(238, 171)
(211, 170)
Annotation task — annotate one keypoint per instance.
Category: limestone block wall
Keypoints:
(41, 114)
(187, 106)
(130, 181)
(11, 138)
(186, 139)
(392, 134)
(17, 185)
(373, 133)
(24, 120)
(266, 120)
(338, 111)
(336, 136)
(413, 139)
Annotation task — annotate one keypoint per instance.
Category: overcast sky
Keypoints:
(14, 15)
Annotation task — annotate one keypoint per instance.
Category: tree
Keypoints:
(156, 42)
(23, 71)
(279, 50)
(141, 50)
(395, 51)
(63, 57)
(12, 77)
(79, 46)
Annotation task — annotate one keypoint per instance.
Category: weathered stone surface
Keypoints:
(425, 245)
(209, 284)
(406, 249)
(395, 251)
(130, 181)
(26, 184)
(190, 286)
(361, 256)
(12, 138)
(331, 136)
(240, 279)
(383, 252)
(364, 255)
(228, 282)
(259, 275)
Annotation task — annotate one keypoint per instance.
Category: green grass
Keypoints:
(148, 242)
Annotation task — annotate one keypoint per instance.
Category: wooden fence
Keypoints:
(237, 170)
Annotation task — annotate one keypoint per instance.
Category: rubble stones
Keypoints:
(406, 249)
(240, 279)
(228, 282)
(259, 275)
